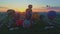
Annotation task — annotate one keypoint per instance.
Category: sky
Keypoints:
(21, 5)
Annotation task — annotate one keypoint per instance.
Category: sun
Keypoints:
(19, 10)
(22, 10)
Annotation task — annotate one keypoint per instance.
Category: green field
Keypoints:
(36, 29)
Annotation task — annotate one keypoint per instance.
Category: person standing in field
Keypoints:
(27, 22)
(29, 11)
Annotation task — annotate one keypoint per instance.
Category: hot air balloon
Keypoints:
(35, 16)
(51, 14)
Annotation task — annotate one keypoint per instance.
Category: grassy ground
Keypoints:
(33, 30)
(36, 29)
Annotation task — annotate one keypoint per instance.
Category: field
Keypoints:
(36, 29)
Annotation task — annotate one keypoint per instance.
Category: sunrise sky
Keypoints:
(21, 5)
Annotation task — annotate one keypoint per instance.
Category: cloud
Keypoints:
(3, 9)
(58, 8)
(47, 9)
(42, 9)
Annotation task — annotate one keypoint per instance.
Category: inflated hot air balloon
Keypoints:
(30, 6)
(19, 22)
(51, 14)
(35, 16)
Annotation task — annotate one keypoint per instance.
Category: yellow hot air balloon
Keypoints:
(35, 16)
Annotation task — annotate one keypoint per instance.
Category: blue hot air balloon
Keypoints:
(51, 14)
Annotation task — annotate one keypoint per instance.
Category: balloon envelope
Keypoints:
(35, 16)
(51, 14)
